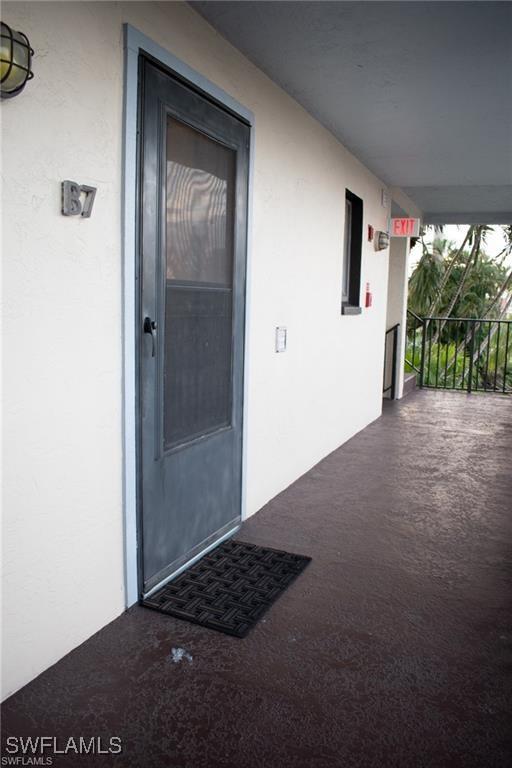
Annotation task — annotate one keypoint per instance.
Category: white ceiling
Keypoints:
(421, 92)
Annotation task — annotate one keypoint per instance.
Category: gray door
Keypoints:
(193, 232)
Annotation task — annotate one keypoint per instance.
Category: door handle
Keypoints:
(150, 327)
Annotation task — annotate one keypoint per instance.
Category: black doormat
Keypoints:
(230, 588)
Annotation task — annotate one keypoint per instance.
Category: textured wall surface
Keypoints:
(63, 533)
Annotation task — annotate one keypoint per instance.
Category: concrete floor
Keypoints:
(393, 649)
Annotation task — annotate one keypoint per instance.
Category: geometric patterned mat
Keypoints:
(230, 588)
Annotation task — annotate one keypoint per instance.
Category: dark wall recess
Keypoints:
(351, 300)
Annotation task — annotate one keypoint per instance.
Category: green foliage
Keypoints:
(462, 282)
(428, 290)
(483, 283)
(424, 282)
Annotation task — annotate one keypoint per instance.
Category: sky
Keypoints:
(495, 242)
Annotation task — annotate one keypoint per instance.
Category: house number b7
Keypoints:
(77, 199)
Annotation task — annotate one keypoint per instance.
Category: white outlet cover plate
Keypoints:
(281, 338)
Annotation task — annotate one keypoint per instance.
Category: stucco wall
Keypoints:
(63, 516)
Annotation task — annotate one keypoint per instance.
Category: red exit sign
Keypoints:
(405, 227)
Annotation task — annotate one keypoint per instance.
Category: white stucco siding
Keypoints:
(63, 511)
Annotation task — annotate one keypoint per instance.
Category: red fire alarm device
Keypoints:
(370, 233)
(368, 298)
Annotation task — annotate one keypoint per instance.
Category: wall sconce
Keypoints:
(15, 61)
(381, 241)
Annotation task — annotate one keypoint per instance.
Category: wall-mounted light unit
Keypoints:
(15, 61)
(381, 241)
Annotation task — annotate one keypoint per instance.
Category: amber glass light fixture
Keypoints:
(15, 61)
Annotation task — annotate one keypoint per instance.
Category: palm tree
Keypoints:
(455, 283)
(470, 262)
(448, 271)
(425, 281)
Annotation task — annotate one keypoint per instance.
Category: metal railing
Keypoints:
(467, 354)
(390, 361)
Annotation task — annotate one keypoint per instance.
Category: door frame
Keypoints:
(136, 42)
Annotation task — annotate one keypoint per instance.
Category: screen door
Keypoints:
(194, 175)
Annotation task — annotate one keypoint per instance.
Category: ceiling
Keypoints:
(420, 92)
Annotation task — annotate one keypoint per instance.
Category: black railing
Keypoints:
(390, 361)
(468, 354)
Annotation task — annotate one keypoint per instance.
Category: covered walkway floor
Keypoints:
(392, 650)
